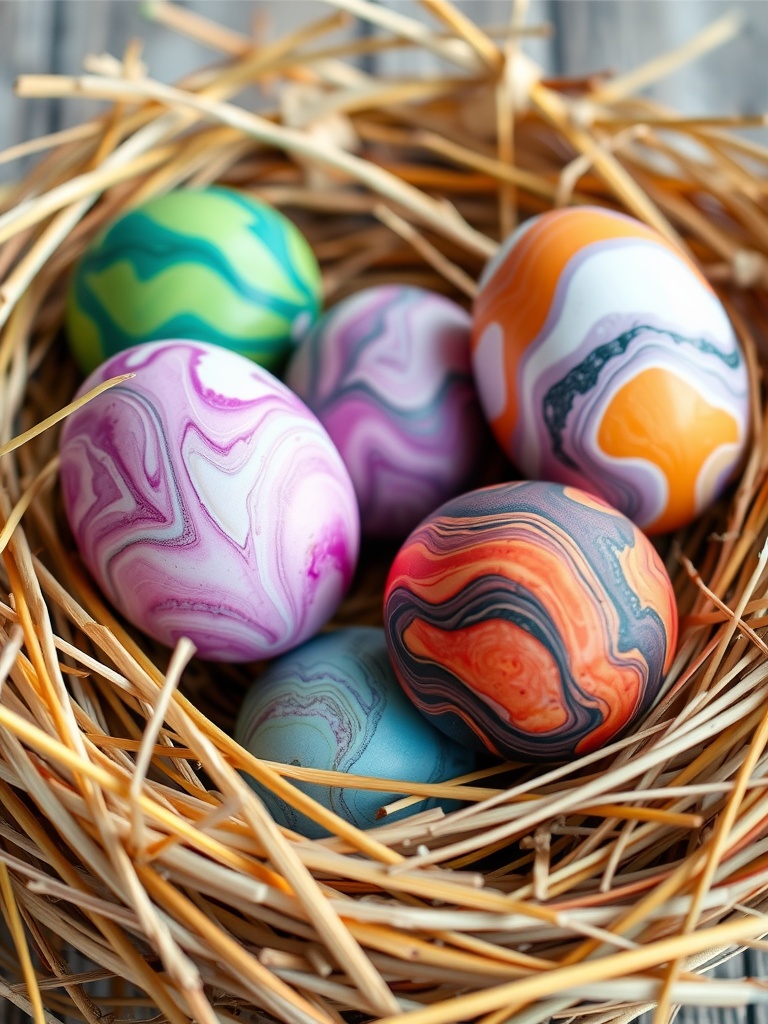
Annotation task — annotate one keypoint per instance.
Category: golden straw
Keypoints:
(594, 889)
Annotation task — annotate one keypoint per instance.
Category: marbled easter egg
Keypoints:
(208, 501)
(335, 704)
(210, 264)
(604, 359)
(387, 371)
(531, 619)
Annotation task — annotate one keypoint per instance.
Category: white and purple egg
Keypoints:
(208, 501)
(387, 372)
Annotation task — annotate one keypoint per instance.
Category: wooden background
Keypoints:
(588, 35)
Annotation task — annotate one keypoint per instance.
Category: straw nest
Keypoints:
(127, 833)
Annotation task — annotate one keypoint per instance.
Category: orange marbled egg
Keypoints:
(531, 619)
(604, 359)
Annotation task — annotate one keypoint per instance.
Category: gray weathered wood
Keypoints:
(409, 61)
(108, 27)
(596, 34)
(26, 44)
(54, 36)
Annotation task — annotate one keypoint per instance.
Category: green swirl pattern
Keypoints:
(208, 264)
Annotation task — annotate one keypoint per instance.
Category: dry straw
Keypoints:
(596, 890)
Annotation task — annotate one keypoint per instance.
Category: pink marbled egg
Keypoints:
(387, 371)
(208, 501)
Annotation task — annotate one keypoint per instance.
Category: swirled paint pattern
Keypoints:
(530, 618)
(211, 264)
(208, 501)
(334, 703)
(604, 359)
(387, 371)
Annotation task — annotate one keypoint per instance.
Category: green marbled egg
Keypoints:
(210, 264)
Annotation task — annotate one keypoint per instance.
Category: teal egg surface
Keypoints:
(335, 704)
(210, 264)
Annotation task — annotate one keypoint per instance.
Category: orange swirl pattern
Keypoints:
(531, 619)
(604, 359)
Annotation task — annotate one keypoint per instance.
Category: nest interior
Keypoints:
(595, 890)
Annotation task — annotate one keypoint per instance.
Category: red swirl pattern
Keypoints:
(531, 619)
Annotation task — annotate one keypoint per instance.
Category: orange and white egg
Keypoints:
(604, 359)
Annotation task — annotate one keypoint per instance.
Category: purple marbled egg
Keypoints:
(208, 501)
(387, 371)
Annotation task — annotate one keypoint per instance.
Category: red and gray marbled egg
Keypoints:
(531, 619)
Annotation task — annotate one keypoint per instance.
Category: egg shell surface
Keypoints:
(208, 501)
(531, 619)
(210, 264)
(387, 371)
(335, 704)
(604, 359)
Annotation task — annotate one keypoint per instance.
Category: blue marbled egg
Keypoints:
(334, 703)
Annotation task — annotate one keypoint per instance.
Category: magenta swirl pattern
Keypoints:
(388, 373)
(208, 501)
(531, 619)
